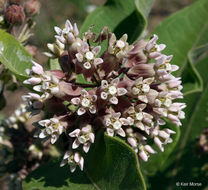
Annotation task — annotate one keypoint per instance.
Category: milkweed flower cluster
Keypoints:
(128, 90)
(20, 115)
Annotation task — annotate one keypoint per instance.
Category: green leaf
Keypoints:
(183, 32)
(51, 176)
(13, 55)
(110, 164)
(184, 35)
(121, 17)
(54, 64)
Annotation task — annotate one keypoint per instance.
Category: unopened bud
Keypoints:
(32, 7)
(32, 50)
(15, 1)
(15, 14)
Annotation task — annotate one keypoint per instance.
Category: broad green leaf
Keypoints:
(51, 176)
(13, 55)
(184, 35)
(183, 32)
(110, 164)
(121, 17)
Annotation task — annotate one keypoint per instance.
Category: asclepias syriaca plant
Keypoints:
(126, 89)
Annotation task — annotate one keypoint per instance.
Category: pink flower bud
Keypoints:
(15, 14)
(32, 7)
(32, 50)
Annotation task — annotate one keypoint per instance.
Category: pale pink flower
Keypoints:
(138, 118)
(120, 48)
(87, 56)
(52, 128)
(86, 102)
(68, 34)
(84, 136)
(73, 159)
(112, 91)
(114, 122)
(153, 49)
(141, 89)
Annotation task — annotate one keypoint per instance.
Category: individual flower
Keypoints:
(142, 90)
(163, 68)
(145, 151)
(163, 100)
(68, 34)
(56, 49)
(175, 113)
(44, 82)
(153, 49)
(84, 136)
(86, 102)
(114, 122)
(173, 87)
(139, 118)
(50, 85)
(87, 56)
(73, 159)
(137, 142)
(52, 128)
(120, 48)
(161, 137)
(112, 91)
(34, 101)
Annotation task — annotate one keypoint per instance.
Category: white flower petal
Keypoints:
(75, 101)
(75, 144)
(63, 163)
(43, 134)
(110, 132)
(121, 132)
(38, 88)
(114, 100)
(143, 156)
(54, 138)
(81, 163)
(67, 154)
(86, 147)
(77, 157)
(74, 133)
(79, 57)
(72, 168)
(122, 91)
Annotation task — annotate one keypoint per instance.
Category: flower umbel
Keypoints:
(127, 90)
